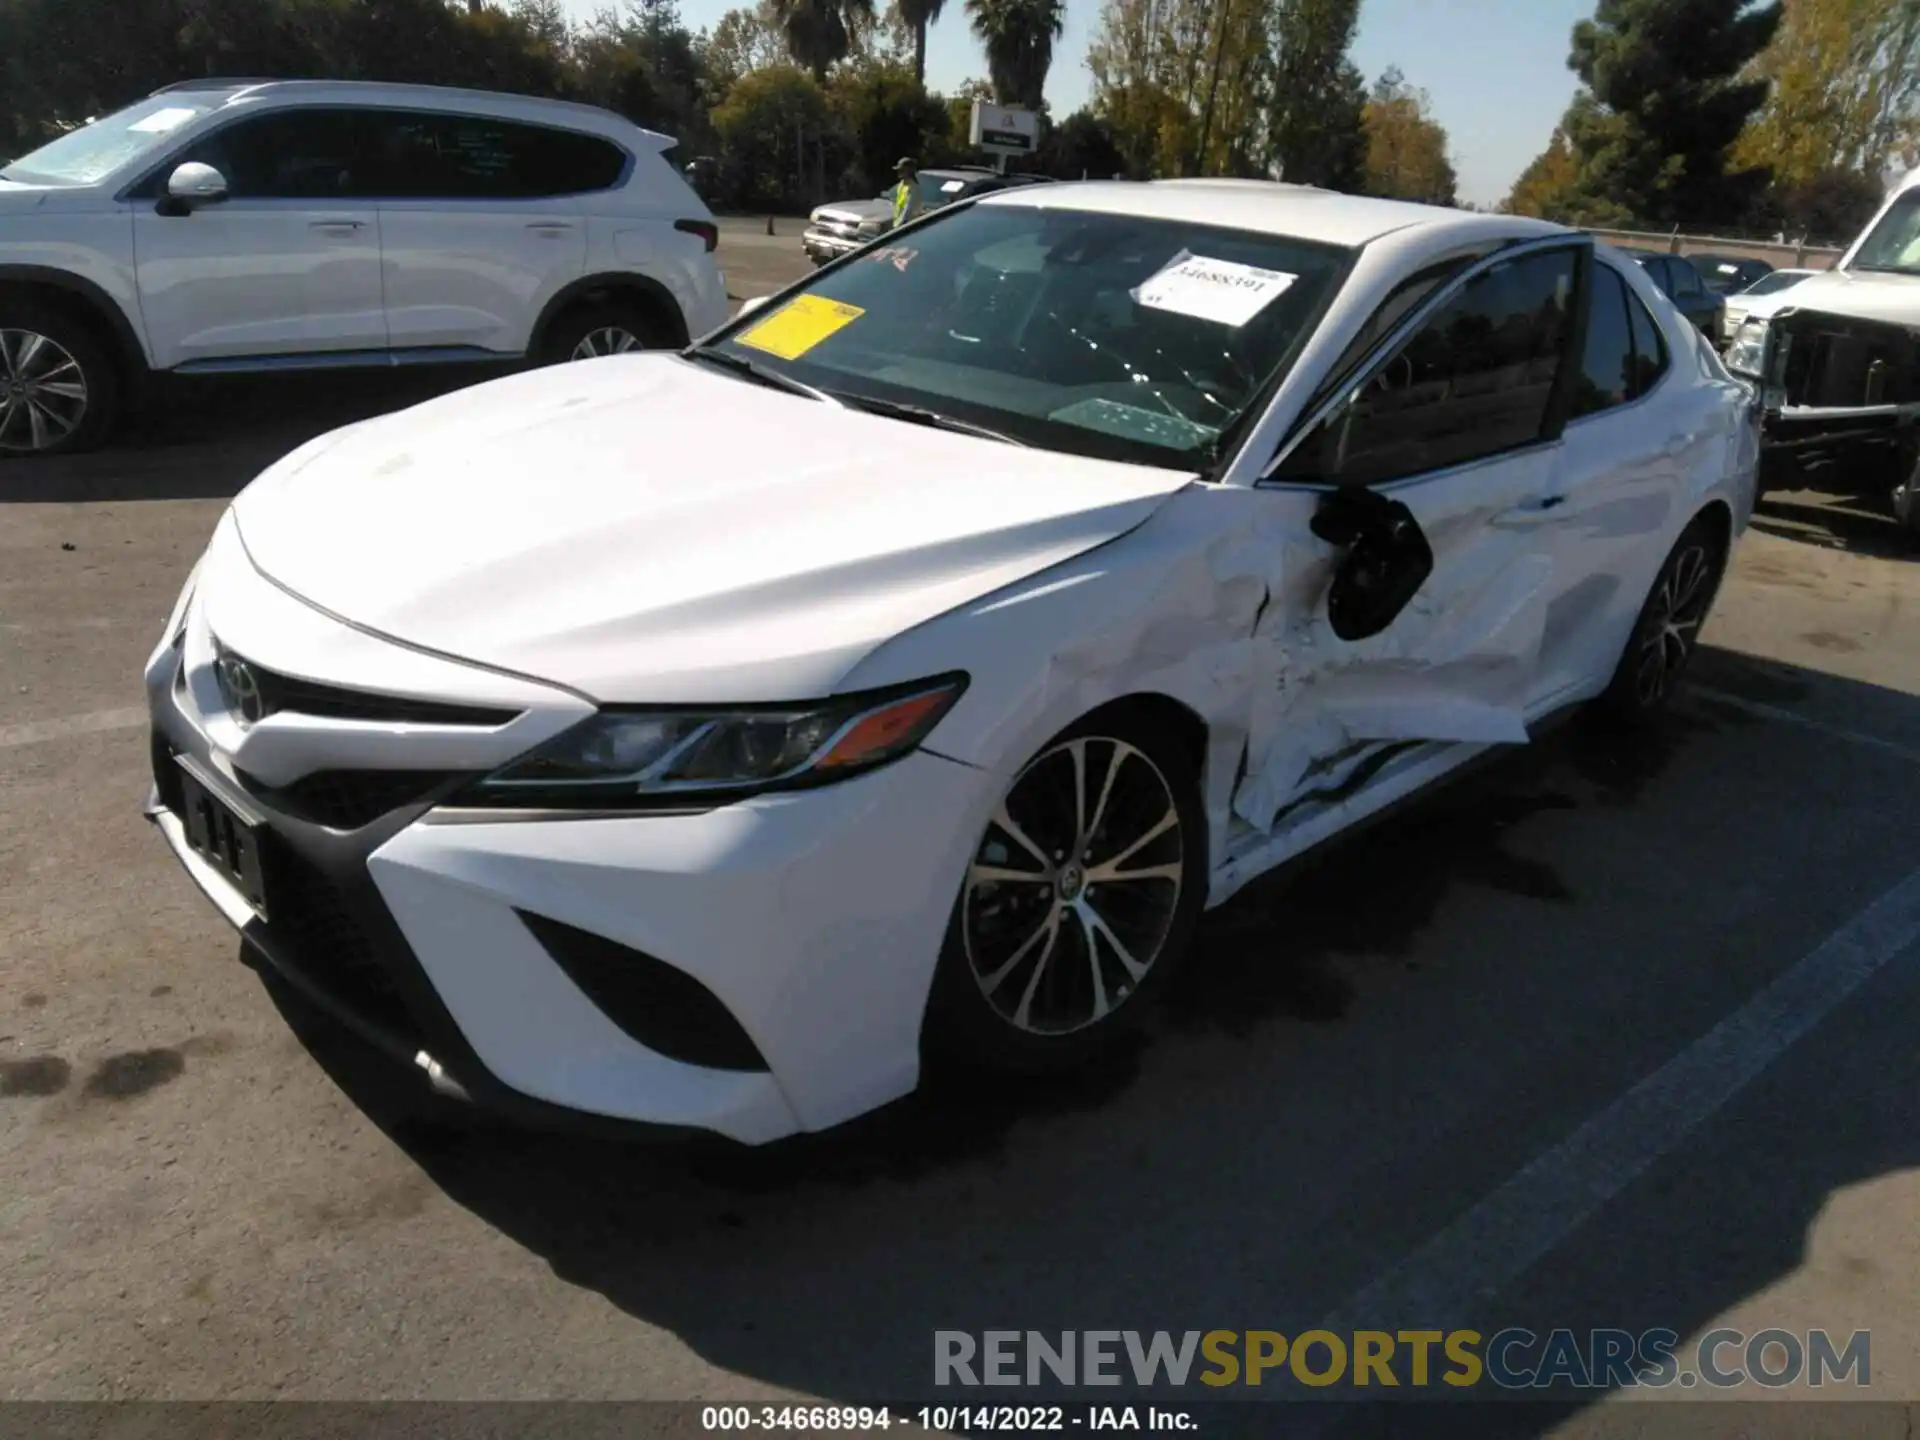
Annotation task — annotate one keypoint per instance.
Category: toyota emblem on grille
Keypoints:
(240, 688)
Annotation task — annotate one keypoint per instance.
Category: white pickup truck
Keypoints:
(1839, 363)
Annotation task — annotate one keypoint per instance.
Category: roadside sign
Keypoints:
(1000, 130)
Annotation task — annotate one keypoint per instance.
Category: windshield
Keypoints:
(1775, 282)
(1894, 244)
(93, 152)
(1109, 335)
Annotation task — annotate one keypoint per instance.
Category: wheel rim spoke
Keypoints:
(1101, 1005)
(1004, 822)
(1110, 869)
(25, 355)
(1049, 930)
(1000, 875)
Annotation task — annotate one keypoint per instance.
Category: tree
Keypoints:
(1845, 94)
(917, 16)
(742, 40)
(1315, 133)
(1406, 146)
(820, 33)
(1081, 147)
(886, 113)
(1545, 189)
(1018, 37)
(765, 125)
(1662, 104)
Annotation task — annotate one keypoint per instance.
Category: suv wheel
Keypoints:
(59, 390)
(611, 327)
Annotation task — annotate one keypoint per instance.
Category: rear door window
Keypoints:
(1608, 374)
(465, 157)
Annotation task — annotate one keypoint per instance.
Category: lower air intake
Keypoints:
(663, 1008)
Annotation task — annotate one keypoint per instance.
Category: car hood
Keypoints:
(1859, 294)
(854, 212)
(647, 529)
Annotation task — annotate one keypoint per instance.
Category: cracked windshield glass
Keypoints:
(1114, 336)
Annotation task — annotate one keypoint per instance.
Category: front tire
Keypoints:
(1668, 628)
(59, 388)
(1905, 499)
(1081, 900)
(601, 328)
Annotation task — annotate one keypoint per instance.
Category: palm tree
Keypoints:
(917, 16)
(1018, 36)
(819, 33)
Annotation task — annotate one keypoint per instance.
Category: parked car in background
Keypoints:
(1838, 367)
(223, 226)
(1729, 274)
(1762, 298)
(834, 230)
(1677, 279)
(706, 738)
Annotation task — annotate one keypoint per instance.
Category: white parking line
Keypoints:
(31, 732)
(1806, 722)
(1563, 1188)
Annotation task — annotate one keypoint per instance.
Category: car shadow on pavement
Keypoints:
(1163, 1190)
(207, 438)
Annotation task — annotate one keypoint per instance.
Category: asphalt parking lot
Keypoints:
(1606, 1035)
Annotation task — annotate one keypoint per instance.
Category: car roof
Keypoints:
(236, 92)
(1297, 211)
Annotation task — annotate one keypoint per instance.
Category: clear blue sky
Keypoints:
(1496, 69)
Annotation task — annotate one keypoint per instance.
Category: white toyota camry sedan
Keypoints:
(708, 739)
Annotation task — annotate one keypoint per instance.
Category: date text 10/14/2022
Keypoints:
(964, 1419)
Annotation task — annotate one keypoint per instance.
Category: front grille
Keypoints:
(655, 1003)
(312, 929)
(1840, 361)
(349, 799)
(309, 697)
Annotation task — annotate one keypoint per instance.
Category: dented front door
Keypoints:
(1458, 425)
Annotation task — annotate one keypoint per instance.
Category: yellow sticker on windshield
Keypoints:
(799, 325)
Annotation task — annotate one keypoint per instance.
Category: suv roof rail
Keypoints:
(213, 82)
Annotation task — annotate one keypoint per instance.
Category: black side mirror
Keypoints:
(1388, 559)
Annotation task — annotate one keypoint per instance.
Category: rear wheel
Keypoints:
(1082, 897)
(59, 390)
(1668, 629)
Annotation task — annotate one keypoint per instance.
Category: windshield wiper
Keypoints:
(740, 365)
(920, 415)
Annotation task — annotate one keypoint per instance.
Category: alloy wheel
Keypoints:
(1675, 612)
(1074, 888)
(607, 340)
(43, 392)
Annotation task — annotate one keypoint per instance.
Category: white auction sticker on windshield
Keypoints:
(161, 121)
(1223, 291)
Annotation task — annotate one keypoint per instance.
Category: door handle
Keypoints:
(339, 225)
(550, 227)
(1533, 512)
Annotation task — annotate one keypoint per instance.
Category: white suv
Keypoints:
(224, 226)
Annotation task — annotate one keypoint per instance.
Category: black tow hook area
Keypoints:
(1388, 559)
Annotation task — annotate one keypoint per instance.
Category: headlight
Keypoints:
(872, 227)
(1747, 352)
(643, 759)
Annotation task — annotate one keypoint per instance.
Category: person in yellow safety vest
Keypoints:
(907, 200)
